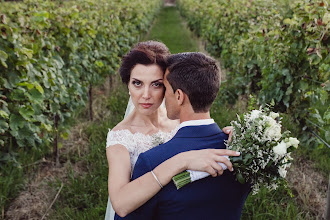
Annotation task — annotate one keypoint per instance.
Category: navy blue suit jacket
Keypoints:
(210, 198)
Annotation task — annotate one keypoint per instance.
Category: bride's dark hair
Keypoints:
(146, 53)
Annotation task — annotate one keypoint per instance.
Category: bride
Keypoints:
(145, 126)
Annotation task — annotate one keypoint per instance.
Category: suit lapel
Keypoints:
(198, 131)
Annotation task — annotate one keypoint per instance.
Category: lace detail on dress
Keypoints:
(137, 143)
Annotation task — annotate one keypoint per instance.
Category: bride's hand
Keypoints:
(228, 130)
(206, 160)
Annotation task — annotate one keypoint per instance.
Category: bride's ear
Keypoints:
(180, 96)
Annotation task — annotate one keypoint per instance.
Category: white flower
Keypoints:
(157, 140)
(287, 142)
(273, 132)
(255, 114)
(273, 115)
(270, 121)
(273, 186)
(282, 171)
(294, 142)
(280, 149)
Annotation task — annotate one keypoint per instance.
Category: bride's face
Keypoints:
(146, 88)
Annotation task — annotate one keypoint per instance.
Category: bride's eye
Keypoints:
(158, 84)
(136, 83)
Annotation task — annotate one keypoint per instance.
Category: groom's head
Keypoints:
(190, 79)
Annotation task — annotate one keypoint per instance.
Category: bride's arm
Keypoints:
(127, 196)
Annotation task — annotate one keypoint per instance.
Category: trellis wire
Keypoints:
(315, 125)
(324, 142)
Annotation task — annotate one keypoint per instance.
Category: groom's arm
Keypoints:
(146, 211)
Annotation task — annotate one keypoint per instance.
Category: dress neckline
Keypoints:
(149, 135)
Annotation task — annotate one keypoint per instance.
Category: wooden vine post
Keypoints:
(90, 102)
(327, 209)
(110, 81)
(55, 147)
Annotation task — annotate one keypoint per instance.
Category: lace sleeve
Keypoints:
(113, 139)
(128, 140)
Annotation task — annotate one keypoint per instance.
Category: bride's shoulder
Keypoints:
(118, 134)
(118, 127)
(123, 125)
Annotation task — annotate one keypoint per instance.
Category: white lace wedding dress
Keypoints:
(136, 143)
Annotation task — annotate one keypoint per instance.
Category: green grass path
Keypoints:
(169, 29)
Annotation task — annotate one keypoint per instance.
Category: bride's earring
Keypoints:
(129, 93)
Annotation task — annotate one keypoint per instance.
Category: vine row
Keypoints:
(51, 53)
(276, 50)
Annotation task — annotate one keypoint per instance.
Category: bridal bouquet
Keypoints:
(265, 151)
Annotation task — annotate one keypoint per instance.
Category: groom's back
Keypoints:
(210, 198)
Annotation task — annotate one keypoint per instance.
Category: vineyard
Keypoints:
(55, 54)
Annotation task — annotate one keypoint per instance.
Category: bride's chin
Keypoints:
(147, 112)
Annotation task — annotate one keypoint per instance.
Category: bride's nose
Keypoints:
(146, 93)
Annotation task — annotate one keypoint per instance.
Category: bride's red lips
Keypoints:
(146, 105)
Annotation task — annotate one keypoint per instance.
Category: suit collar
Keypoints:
(198, 131)
(197, 122)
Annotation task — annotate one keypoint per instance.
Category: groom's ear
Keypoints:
(180, 96)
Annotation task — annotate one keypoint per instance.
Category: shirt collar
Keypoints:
(196, 122)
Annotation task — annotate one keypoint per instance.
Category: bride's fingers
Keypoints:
(228, 130)
(229, 137)
(223, 152)
(211, 171)
(225, 161)
(218, 168)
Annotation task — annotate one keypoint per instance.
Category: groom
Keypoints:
(192, 82)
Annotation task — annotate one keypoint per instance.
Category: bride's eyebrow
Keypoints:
(158, 80)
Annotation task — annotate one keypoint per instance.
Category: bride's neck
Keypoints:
(148, 120)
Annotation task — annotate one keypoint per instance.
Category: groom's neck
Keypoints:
(188, 116)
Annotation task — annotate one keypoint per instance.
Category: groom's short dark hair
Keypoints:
(197, 75)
